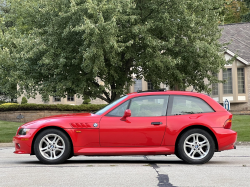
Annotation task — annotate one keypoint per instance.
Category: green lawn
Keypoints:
(8, 130)
(240, 124)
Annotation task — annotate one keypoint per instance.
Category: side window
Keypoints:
(119, 111)
(149, 106)
(189, 105)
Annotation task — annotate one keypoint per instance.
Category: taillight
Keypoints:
(228, 124)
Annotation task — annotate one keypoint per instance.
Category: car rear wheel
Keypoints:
(196, 146)
(52, 146)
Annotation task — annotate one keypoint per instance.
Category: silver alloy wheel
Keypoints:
(51, 146)
(196, 146)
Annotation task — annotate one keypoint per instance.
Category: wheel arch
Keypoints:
(51, 127)
(197, 127)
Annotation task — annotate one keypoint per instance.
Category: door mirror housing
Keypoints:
(127, 113)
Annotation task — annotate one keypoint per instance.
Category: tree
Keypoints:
(235, 11)
(246, 17)
(96, 47)
(8, 87)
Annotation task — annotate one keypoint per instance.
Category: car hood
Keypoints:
(63, 120)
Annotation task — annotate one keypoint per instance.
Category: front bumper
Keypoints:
(23, 143)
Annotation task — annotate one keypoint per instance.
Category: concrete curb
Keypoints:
(242, 143)
(7, 145)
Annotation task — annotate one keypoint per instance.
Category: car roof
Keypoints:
(169, 92)
(214, 104)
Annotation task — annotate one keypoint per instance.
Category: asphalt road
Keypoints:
(227, 168)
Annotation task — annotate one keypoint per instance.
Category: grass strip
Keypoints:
(240, 124)
(8, 130)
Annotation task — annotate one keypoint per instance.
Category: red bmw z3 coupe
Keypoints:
(190, 125)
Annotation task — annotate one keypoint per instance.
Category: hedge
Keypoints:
(5, 104)
(58, 107)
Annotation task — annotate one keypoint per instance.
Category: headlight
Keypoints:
(23, 131)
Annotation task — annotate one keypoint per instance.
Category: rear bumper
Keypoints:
(226, 138)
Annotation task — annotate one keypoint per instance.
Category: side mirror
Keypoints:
(127, 113)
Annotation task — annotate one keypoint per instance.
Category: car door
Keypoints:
(145, 127)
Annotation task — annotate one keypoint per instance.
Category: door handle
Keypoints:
(156, 123)
(194, 117)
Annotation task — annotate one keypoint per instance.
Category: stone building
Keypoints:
(237, 74)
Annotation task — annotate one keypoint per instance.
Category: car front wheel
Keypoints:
(196, 146)
(52, 146)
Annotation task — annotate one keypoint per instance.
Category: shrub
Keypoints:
(24, 100)
(86, 100)
(60, 107)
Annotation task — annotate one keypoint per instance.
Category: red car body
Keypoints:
(92, 134)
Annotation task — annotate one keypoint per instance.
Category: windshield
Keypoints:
(100, 112)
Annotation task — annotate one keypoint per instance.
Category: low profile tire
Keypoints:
(52, 146)
(70, 156)
(177, 154)
(196, 146)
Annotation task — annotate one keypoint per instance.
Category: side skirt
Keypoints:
(112, 151)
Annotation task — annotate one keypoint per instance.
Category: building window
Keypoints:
(138, 85)
(241, 80)
(57, 99)
(227, 86)
(150, 86)
(70, 98)
(215, 86)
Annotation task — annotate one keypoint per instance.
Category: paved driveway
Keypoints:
(228, 168)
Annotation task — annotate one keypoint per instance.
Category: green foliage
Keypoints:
(2, 102)
(8, 83)
(59, 107)
(86, 100)
(95, 47)
(235, 11)
(246, 17)
(24, 100)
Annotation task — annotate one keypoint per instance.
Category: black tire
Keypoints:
(70, 156)
(196, 146)
(52, 146)
(177, 154)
